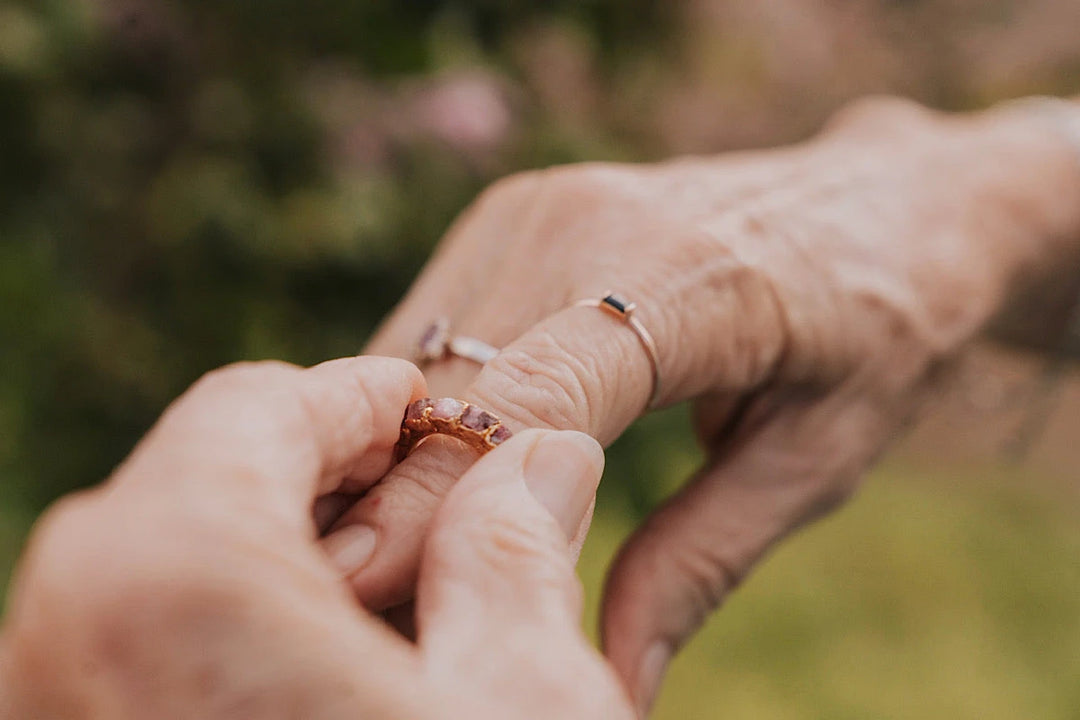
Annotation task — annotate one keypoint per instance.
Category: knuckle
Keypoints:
(707, 581)
(515, 542)
(749, 350)
(705, 571)
(574, 591)
(896, 347)
(834, 495)
(55, 534)
(261, 396)
(590, 184)
(582, 203)
(419, 484)
(507, 545)
(599, 176)
(242, 375)
(602, 695)
(413, 375)
(791, 307)
(579, 683)
(65, 535)
(39, 642)
(880, 113)
(508, 190)
(312, 399)
(542, 385)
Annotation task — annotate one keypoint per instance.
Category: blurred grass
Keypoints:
(938, 594)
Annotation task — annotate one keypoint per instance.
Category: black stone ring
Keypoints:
(622, 310)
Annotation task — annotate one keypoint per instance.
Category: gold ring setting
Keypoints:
(475, 427)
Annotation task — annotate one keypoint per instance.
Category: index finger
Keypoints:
(279, 433)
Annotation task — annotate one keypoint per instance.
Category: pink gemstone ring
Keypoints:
(477, 428)
(438, 344)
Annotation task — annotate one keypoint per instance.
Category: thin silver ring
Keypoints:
(623, 311)
(437, 343)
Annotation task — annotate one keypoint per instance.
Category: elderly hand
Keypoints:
(803, 298)
(192, 584)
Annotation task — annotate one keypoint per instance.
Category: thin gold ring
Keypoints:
(622, 310)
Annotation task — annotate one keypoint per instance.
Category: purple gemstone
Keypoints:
(500, 435)
(433, 342)
(415, 410)
(447, 408)
(477, 419)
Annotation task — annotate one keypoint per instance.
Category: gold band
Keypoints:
(622, 310)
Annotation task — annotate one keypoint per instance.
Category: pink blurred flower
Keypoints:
(469, 111)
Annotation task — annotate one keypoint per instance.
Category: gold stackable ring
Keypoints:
(437, 343)
(477, 428)
(623, 310)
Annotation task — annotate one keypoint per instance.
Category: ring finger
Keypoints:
(577, 368)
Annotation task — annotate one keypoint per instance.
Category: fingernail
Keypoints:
(653, 664)
(562, 472)
(351, 547)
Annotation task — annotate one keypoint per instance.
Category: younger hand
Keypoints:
(192, 584)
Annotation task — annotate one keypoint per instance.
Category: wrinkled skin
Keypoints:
(804, 299)
(191, 585)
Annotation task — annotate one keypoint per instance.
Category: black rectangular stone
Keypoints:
(615, 304)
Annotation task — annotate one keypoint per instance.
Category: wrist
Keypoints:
(1047, 132)
(1039, 143)
(1060, 115)
(1026, 155)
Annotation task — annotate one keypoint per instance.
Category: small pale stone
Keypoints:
(447, 408)
(415, 410)
(429, 335)
(500, 435)
(433, 342)
(477, 419)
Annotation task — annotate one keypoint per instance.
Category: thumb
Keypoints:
(498, 603)
(696, 548)
(498, 559)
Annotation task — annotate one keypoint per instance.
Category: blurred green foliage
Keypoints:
(170, 200)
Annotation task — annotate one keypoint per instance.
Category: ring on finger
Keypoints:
(437, 343)
(623, 310)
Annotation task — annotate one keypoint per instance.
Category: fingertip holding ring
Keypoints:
(477, 428)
